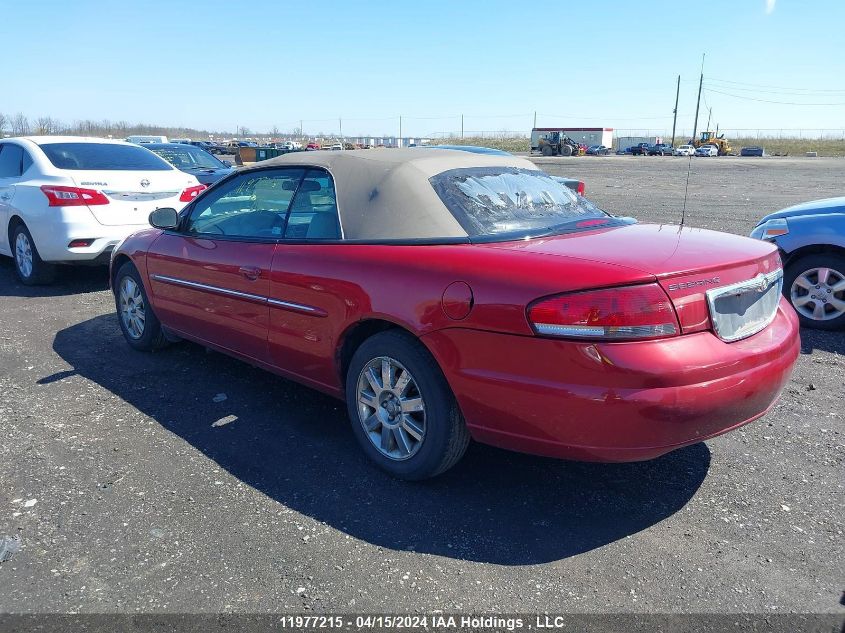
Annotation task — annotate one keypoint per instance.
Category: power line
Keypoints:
(775, 92)
(746, 98)
(794, 88)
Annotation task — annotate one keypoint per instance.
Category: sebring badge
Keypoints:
(693, 284)
(145, 183)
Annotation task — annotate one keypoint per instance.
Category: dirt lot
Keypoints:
(132, 490)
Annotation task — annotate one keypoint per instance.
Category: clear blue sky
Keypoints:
(219, 64)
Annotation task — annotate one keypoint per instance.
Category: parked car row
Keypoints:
(666, 149)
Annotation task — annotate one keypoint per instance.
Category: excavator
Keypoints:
(558, 144)
(713, 138)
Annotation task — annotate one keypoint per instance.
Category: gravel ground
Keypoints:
(135, 486)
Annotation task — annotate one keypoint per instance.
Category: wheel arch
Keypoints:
(119, 260)
(355, 335)
(810, 249)
(14, 222)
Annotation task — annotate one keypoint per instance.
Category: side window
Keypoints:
(26, 162)
(10, 160)
(251, 205)
(313, 214)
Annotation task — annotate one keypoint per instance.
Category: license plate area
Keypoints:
(745, 308)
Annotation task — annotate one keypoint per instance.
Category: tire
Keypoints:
(437, 420)
(547, 150)
(144, 334)
(565, 150)
(807, 268)
(30, 269)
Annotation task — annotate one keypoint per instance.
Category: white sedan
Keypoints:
(66, 199)
(707, 150)
(684, 150)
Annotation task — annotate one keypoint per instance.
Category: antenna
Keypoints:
(686, 191)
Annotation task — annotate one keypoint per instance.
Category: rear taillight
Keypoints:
(632, 312)
(581, 190)
(73, 196)
(192, 192)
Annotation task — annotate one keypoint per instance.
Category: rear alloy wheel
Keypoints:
(29, 267)
(138, 322)
(815, 286)
(403, 413)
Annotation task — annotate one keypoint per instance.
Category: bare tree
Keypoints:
(20, 125)
(45, 126)
(243, 131)
(274, 132)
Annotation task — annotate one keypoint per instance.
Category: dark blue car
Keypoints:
(811, 239)
(192, 160)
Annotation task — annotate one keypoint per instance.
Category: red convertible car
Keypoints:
(448, 296)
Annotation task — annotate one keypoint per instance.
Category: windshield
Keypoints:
(498, 201)
(103, 156)
(188, 157)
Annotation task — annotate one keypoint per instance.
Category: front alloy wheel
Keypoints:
(131, 307)
(819, 294)
(391, 408)
(138, 322)
(815, 286)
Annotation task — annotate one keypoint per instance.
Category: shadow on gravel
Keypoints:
(294, 445)
(70, 280)
(812, 340)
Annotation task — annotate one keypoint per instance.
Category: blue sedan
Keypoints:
(811, 239)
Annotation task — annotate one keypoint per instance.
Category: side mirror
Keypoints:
(165, 218)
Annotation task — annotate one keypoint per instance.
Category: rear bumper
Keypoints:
(70, 223)
(614, 401)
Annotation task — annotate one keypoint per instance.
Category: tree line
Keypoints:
(21, 125)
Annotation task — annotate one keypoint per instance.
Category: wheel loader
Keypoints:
(710, 138)
(558, 144)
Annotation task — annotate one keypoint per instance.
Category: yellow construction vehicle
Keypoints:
(710, 138)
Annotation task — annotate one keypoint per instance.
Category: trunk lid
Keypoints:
(133, 195)
(686, 261)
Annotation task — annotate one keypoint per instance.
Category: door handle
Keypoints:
(5, 196)
(250, 272)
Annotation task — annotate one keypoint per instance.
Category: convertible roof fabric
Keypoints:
(385, 194)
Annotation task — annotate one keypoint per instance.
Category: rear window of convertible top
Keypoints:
(511, 202)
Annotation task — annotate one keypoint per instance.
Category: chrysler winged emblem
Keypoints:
(145, 183)
(761, 283)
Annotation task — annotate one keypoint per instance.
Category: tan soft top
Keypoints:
(385, 193)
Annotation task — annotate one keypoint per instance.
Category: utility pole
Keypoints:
(340, 124)
(462, 126)
(399, 140)
(535, 118)
(698, 103)
(301, 129)
(709, 112)
(675, 111)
